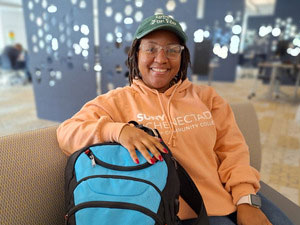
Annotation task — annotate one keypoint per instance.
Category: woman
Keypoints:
(195, 122)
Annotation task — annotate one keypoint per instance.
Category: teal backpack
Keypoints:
(104, 186)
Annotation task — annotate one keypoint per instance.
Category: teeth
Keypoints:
(159, 70)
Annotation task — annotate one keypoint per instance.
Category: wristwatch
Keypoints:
(251, 199)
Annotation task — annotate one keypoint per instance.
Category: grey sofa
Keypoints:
(32, 174)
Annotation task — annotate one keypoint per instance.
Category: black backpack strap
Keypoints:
(190, 193)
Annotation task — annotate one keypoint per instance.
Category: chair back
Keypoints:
(247, 121)
(5, 63)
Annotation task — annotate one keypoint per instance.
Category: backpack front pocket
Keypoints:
(134, 199)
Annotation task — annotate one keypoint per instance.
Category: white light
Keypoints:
(44, 4)
(52, 9)
(41, 44)
(34, 39)
(54, 44)
(118, 17)
(31, 16)
(139, 3)
(84, 29)
(233, 50)
(183, 26)
(138, 16)
(216, 49)
(119, 34)
(40, 33)
(108, 11)
(110, 86)
(171, 5)
(276, 32)
(82, 4)
(128, 20)
(295, 51)
(128, 10)
(48, 38)
(198, 39)
(198, 36)
(30, 5)
(109, 37)
(235, 39)
(84, 43)
(76, 28)
(77, 49)
(97, 67)
(228, 18)
(85, 53)
(263, 31)
(58, 75)
(296, 42)
(159, 11)
(206, 34)
(236, 29)
(39, 21)
(119, 40)
(224, 52)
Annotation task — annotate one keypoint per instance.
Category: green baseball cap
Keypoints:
(160, 22)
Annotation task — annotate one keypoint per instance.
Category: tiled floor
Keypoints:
(279, 122)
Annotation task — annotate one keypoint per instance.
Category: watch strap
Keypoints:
(251, 199)
(244, 200)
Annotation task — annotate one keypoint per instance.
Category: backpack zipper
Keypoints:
(114, 205)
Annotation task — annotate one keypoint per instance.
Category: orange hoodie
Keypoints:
(195, 122)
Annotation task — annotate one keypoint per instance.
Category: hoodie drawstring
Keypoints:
(171, 140)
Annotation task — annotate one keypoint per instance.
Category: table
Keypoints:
(274, 83)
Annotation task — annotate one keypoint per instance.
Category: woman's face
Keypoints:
(157, 70)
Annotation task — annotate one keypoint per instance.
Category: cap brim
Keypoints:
(181, 35)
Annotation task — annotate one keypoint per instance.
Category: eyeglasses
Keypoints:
(172, 51)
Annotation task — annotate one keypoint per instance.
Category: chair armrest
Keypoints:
(32, 178)
(287, 206)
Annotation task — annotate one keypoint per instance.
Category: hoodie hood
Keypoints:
(177, 88)
(173, 92)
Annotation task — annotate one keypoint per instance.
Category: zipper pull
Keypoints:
(90, 154)
(66, 219)
(92, 157)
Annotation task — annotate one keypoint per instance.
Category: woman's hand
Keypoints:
(249, 215)
(133, 138)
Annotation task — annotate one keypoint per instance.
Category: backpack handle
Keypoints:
(98, 161)
(152, 132)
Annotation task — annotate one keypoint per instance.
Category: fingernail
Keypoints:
(152, 161)
(160, 140)
(137, 161)
(165, 150)
(160, 158)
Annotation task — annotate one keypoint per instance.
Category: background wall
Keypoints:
(60, 38)
(12, 20)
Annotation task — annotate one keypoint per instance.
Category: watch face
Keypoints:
(255, 201)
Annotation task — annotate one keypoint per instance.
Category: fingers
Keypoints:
(135, 139)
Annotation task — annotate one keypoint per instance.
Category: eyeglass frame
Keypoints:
(162, 48)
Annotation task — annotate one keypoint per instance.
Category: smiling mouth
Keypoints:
(159, 70)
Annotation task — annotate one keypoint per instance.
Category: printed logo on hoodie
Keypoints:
(181, 123)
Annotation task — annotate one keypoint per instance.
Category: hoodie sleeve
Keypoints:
(92, 124)
(235, 172)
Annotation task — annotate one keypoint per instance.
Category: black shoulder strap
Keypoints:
(190, 193)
